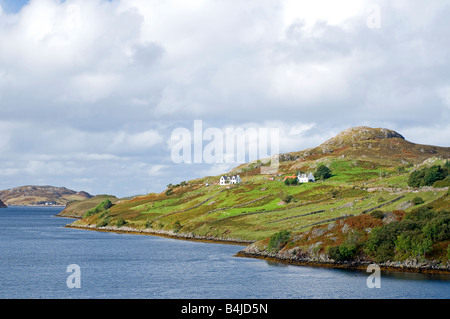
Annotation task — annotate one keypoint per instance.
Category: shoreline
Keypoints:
(165, 234)
(398, 267)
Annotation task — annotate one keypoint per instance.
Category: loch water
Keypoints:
(36, 251)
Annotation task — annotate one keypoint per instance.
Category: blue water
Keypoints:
(36, 249)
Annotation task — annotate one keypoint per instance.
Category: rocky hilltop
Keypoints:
(41, 195)
(381, 146)
(361, 133)
(384, 143)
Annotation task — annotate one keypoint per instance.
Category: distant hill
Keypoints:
(41, 195)
(2, 205)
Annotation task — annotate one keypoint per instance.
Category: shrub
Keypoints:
(377, 214)
(442, 183)
(104, 205)
(149, 224)
(291, 181)
(177, 226)
(342, 252)
(333, 253)
(286, 197)
(102, 223)
(278, 240)
(120, 222)
(418, 200)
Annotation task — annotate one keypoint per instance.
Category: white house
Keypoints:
(227, 180)
(236, 179)
(303, 178)
(223, 180)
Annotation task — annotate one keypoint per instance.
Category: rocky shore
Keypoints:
(323, 260)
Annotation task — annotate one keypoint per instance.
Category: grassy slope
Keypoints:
(77, 208)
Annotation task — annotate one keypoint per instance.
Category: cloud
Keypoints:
(88, 88)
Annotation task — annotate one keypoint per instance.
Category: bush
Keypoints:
(149, 224)
(291, 181)
(104, 205)
(418, 200)
(442, 183)
(102, 223)
(177, 226)
(120, 222)
(286, 197)
(278, 240)
(344, 252)
(377, 214)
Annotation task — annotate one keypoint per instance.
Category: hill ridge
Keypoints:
(40, 195)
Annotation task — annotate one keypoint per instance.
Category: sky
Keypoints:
(91, 91)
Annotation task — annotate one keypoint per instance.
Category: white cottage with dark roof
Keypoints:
(303, 178)
(228, 180)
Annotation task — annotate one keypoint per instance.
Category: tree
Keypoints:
(322, 172)
(291, 181)
(433, 174)
(427, 176)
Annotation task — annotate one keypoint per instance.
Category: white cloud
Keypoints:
(142, 141)
(157, 170)
(107, 81)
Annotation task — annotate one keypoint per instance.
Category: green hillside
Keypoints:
(262, 206)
